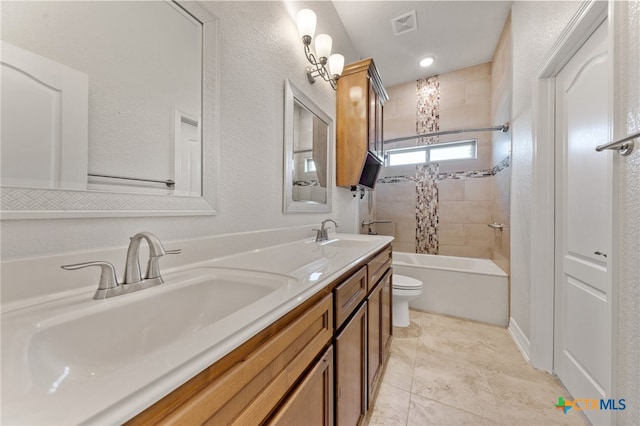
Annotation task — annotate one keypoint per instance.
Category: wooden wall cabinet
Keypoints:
(360, 99)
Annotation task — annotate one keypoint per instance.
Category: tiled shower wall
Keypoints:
(467, 195)
(501, 94)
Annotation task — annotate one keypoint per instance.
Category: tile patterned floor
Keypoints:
(448, 371)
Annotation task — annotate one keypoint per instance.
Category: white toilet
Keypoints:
(404, 289)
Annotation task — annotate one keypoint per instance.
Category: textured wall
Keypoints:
(259, 49)
(627, 55)
(535, 27)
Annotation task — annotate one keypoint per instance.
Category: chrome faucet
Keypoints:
(133, 281)
(132, 272)
(322, 233)
(368, 223)
(108, 285)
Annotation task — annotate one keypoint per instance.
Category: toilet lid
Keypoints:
(406, 283)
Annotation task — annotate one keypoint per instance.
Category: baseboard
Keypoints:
(519, 339)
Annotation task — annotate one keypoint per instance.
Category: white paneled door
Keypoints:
(44, 114)
(584, 208)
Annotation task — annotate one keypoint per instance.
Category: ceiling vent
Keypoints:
(404, 23)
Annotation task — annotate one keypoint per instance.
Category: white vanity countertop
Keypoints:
(41, 388)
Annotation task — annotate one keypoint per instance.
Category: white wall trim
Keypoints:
(614, 262)
(588, 17)
(520, 339)
(586, 20)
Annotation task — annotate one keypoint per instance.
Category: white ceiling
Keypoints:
(457, 34)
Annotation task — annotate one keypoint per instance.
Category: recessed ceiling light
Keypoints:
(426, 61)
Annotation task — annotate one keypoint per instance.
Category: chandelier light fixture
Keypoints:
(323, 63)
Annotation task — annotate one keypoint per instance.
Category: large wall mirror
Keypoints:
(109, 109)
(308, 133)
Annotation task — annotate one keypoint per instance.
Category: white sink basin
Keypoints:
(347, 243)
(103, 335)
(69, 359)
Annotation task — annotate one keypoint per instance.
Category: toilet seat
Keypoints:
(402, 282)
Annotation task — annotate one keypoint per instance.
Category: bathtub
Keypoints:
(475, 289)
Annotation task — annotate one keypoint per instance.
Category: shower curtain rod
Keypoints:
(502, 128)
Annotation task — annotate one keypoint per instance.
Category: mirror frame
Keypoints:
(37, 203)
(291, 95)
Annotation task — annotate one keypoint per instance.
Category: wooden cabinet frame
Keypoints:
(360, 99)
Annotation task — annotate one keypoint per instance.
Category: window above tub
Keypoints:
(458, 150)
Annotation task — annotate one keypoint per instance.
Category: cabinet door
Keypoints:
(379, 128)
(371, 118)
(350, 370)
(374, 334)
(386, 318)
(311, 404)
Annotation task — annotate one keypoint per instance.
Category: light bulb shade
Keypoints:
(306, 22)
(323, 45)
(336, 64)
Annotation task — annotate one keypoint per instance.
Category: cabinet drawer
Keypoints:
(378, 266)
(349, 294)
(251, 389)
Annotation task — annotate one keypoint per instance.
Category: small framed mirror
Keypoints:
(308, 136)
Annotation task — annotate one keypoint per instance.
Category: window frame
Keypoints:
(427, 149)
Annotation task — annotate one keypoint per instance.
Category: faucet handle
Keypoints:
(153, 267)
(108, 279)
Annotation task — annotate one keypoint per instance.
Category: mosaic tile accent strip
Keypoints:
(427, 120)
(428, 107)
(469, 174)
(396, 179)
(506, 162)
(465, 175)
(427, 209)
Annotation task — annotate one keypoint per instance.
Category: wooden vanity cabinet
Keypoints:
(247, 386)
(351, 358)
(362, 340)
(378, 331)
(386, 318)
(311, 404)
(360, 99)
(374, 341)
(348, 295)
(319, 364)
